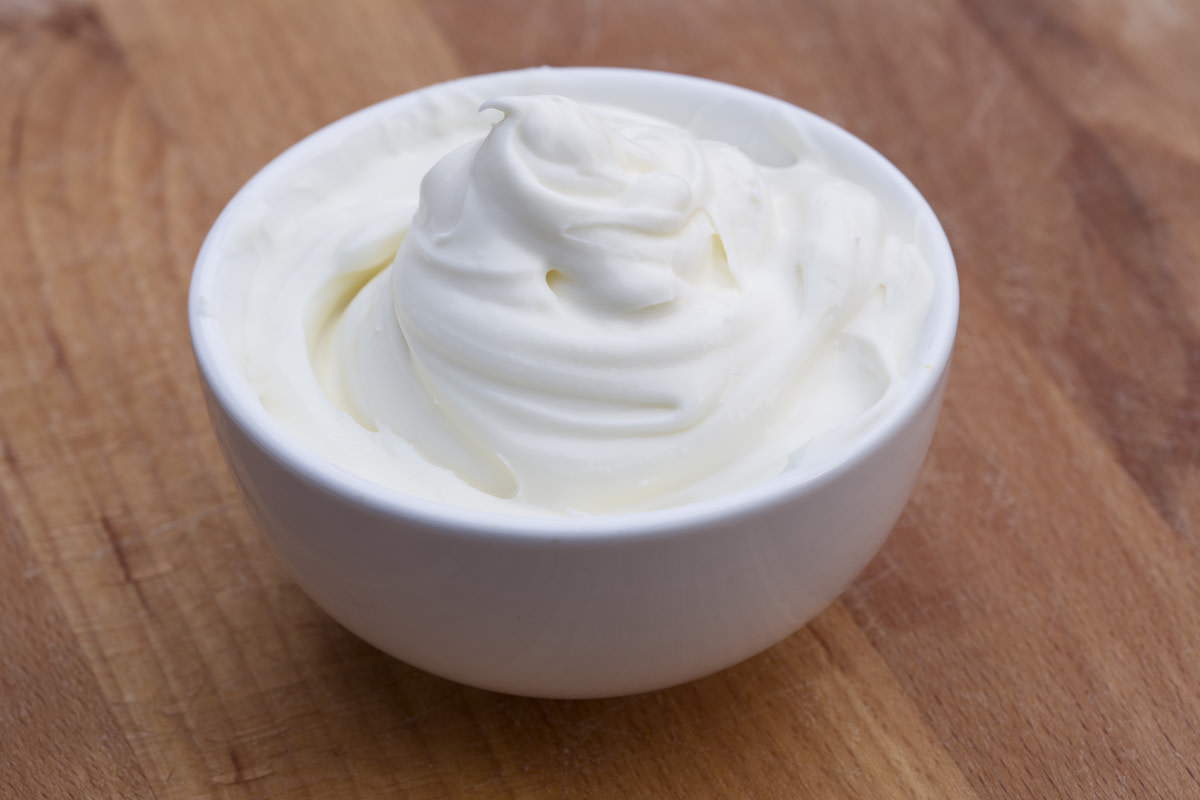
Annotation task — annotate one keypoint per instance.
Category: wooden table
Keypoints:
(1032, 627)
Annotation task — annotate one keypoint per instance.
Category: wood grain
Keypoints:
(1032, 627)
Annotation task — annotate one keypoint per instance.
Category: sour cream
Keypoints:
(546, 307)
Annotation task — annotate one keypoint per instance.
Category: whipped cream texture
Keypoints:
(575, 310)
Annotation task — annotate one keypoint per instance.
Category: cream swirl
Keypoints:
(596, 312)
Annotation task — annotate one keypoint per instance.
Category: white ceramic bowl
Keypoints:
(581, 606)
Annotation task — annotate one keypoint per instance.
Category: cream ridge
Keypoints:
(545, 307)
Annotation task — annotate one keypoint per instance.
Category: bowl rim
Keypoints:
(231, 391)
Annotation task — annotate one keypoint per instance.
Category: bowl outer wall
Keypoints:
(564, 617)
(633, 608)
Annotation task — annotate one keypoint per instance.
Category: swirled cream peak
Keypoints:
(589, 311)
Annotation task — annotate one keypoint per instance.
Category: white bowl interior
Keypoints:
(768, 129)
